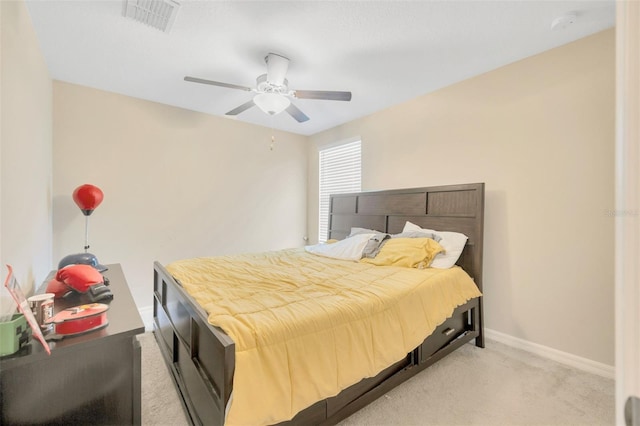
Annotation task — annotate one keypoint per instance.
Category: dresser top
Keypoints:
(123, 316)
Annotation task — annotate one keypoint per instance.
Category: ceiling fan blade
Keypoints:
(322, 94)
(277, 66)
(217, 83)
(295, 112)
(245, 106)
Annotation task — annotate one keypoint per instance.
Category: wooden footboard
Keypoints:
(201, 357)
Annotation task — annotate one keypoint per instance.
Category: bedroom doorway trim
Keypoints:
(627, 217)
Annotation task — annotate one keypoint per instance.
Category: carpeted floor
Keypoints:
(497, 385)
(160, 401)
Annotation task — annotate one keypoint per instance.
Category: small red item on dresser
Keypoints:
(80, 319)
(78, 278)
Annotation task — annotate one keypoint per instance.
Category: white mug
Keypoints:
(42, 307)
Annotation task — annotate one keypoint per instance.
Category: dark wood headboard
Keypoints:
(458, 208)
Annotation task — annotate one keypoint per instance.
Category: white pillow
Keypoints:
(452, 242)
(348, 249)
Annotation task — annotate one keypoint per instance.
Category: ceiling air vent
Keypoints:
(158, 14)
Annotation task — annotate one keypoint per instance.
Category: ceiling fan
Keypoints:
(273, 93)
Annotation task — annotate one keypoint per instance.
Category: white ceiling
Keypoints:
(384, 52)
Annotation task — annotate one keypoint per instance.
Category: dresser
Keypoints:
(92, 378)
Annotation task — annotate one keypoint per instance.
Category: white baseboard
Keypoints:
(574, 361)
(146, 313)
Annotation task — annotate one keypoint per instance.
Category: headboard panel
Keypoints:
(457, 208)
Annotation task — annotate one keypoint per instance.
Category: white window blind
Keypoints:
(340, 172)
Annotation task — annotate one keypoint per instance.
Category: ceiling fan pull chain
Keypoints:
(273, 137)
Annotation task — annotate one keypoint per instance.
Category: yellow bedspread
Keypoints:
(306, 327)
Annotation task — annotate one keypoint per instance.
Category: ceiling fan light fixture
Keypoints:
(271, 103)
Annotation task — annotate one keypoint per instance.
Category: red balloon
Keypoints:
(88, 198)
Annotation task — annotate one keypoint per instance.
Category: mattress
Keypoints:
(305, 327)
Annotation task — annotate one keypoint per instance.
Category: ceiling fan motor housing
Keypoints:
(265, 86)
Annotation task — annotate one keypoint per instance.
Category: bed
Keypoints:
(202, 357)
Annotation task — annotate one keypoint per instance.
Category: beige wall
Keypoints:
(540, 134)
(25, 152)
(176, 183)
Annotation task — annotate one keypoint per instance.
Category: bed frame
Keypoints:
(201, 357)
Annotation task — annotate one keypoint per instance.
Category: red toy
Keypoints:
(74, 278)
(88, 198)
(80, 319)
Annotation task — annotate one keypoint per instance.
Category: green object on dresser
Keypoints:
(14, 334)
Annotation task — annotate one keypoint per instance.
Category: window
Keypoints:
(340, 172)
